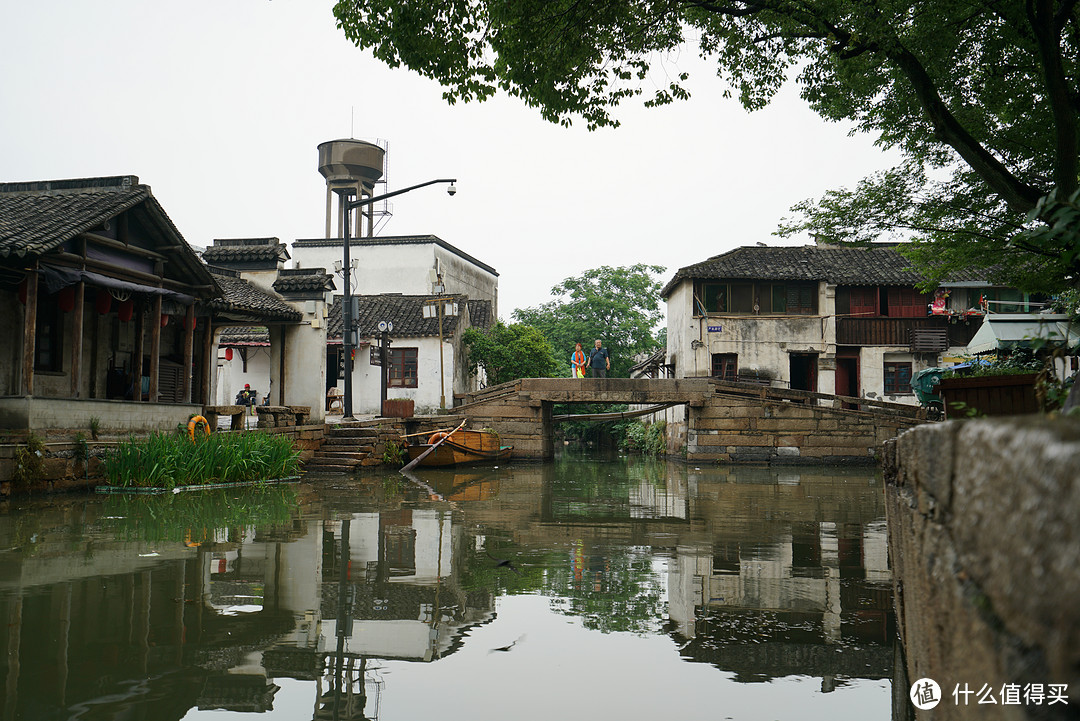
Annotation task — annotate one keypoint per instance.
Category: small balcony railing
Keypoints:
(920, 335)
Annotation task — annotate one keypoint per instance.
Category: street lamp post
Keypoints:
(348, 340)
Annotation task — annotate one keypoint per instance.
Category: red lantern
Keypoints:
(66, 299)
(126, 310)
(164, 320)
(228, 354)
(103, 302)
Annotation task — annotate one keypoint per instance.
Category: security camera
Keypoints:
(452, 189)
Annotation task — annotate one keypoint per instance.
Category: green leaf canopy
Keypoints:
(979, 95)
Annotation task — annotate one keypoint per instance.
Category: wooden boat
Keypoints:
(461, 448)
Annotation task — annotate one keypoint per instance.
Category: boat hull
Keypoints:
(462, 448)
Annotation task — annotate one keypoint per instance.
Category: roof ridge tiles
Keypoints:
(111, 183)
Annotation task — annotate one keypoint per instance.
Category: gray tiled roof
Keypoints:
(38, 217)
(244, 298)
(35, 219)
(239, 335)
(295, 280)
(406, 312)
(841, 266)
(480, 314)
(245, 250)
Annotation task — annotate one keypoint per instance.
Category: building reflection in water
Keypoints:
(109, 611)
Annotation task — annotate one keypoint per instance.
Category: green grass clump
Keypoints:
(167, 460)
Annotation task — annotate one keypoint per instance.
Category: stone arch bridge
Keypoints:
(723, 421)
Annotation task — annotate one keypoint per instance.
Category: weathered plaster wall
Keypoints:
(682, 332)
(763, 342)
(461, 276)
(984, 535)
(402, 268)
(367, 377)
(305, 363)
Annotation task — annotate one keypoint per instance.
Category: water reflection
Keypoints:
(329, 600)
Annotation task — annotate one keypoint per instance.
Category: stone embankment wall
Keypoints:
(743, 430)
(521, 422)
(984, 538)
(62, 468)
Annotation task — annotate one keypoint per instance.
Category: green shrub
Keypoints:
(647, 438)
(393, 454)
(29, 463)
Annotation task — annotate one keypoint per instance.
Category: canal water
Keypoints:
(610, 588)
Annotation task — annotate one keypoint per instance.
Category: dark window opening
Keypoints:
(742, 298)
(803, 368)
(752, 298)
(49, 334)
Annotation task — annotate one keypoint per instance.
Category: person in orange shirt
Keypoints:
(577, 362)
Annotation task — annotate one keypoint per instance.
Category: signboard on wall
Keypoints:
(716, 329)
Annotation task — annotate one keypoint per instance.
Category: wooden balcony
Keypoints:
(897, 331)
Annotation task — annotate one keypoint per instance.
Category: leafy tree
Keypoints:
(620, 306)
(979, 95)
(508, 352)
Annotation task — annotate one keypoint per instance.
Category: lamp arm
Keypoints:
(375, 199)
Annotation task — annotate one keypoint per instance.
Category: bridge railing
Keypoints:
(825, 400)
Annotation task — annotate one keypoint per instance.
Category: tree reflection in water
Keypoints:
(249, 602)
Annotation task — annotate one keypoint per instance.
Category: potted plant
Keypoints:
(999, 387)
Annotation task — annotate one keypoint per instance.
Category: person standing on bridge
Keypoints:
(599, 361)
(577, 362)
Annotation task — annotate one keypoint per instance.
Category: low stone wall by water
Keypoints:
(984, 540)
(62, 468)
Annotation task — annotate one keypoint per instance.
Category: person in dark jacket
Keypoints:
(599, 360)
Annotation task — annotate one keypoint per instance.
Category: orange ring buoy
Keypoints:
(196, 420)
(436, 437)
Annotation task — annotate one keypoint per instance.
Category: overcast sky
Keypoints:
(219, 106)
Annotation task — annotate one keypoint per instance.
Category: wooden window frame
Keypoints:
(889, 373)
(729, 366)
(400, 361)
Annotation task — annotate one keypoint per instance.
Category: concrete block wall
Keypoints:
(984, 538)
(781, 432)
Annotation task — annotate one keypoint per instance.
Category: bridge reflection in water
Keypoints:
(351, 598)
